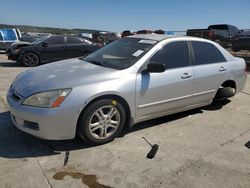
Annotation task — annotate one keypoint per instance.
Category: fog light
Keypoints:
(31, 125)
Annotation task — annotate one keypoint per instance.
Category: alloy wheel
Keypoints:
(104, 122)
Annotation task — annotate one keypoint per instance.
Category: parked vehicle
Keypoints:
(104, 37)
(222, 34)
(8, 36)
(144, 31)
(49, 49)
(127, 33)
(241, 41)
(131, 80)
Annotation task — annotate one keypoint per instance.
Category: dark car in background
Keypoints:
(221, 33)
(49, 49)
(104, 37)
(127, 33)
(242, 41)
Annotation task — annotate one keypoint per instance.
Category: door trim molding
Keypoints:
(174, 99)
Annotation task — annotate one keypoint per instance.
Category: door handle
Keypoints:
(222, 69)
(186, 75)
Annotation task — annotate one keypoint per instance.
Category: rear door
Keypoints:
(160, 93)
(210, 70)
(55, 49)
(75, 47)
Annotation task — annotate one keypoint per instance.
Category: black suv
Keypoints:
(49, 49)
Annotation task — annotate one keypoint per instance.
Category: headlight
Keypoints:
(48, 99)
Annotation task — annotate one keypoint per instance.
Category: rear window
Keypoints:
(218, 27)
(9, 34)
(206, 53)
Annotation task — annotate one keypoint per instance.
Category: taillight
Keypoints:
(210, 34)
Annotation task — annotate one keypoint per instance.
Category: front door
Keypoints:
(55, 49)
(160, 93)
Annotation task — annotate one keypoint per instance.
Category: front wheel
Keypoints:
(102, 121)
(30, 59)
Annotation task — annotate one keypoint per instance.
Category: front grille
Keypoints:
(31, 125)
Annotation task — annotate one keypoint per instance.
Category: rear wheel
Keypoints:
(225, 93)
(102, 121)
(30, 59)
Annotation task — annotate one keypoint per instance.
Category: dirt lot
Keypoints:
(206, 147)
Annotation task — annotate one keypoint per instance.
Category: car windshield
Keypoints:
(121, 54)
(38, 41)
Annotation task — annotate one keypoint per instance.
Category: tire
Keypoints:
(107, 117)
(30, 59)
(225, 93)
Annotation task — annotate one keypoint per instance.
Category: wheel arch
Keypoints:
(229, 83)
(129, 119)
(224, 90)
(30, 51)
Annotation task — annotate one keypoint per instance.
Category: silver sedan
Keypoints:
(128, 81)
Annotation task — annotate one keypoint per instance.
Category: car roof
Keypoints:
(157, 37)
(160, 37)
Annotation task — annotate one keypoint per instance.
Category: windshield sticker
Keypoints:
(147, 41)
(137, 53)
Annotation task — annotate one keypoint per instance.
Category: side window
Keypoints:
(73, 40)
(1, 36)
(55, 40)
(206, 53)
(173, 55)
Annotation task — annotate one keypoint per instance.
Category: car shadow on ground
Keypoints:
(165, 119)
(10, 64)
(17, 144)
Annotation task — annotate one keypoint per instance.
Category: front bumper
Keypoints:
(13, 56)
(46, 123)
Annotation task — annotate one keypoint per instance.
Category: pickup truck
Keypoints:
(9, 36)
(222, 34)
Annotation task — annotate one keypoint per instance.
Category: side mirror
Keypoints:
(156, 67)
(45, 44)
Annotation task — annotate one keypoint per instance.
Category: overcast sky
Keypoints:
(118, 15)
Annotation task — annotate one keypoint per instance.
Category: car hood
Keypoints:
(62, 74)
(19, 44)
